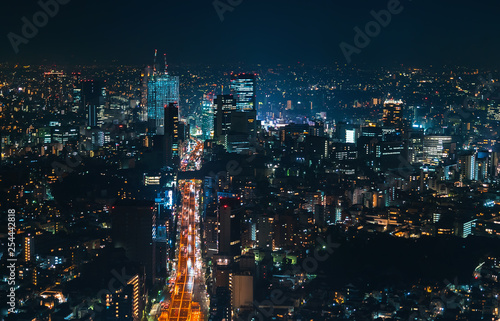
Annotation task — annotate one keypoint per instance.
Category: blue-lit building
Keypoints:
(243, 88)
(207, 114)
(243, 124)
(163, 89)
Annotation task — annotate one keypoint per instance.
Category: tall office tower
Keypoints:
(483, 161)
(171, 134)
(28, 248)
(92, 97)
(132, 223)
(468, 165)
(92, 115)
(230, 212)
(393, 114)
(210, 232)
(145, 75)
(437, 148)
(207, 115)
(224, 105)
(243, 88)
(416, 145)
(163, 89)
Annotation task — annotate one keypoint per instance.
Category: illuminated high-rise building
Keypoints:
(207, 115)
(243, 88)
(163, 89)
(233, 128)
(436, 148)
(224, 105)
(28, 248)
(393, 114)
(34, 276)
(468, 165)
(145, 76)
(243, 128)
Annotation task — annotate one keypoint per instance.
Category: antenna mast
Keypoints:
(166, 66)
(154, 63)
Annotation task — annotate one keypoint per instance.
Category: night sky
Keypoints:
(256, 31)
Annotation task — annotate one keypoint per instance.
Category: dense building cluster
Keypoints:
(264, 192)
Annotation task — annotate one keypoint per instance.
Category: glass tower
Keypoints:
(243, 88)
(207, 114)
(163, 89)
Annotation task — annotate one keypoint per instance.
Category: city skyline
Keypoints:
(240, 160)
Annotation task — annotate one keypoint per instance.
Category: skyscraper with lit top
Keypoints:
(162, 90)
(243, 88)
(207, 114)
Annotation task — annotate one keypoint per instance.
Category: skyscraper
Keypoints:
(93, 98)
(243, 88)
(171, 133)
(28, 248)
(393, 114)
(468, 165)
(163, 89)
(244, 121)
(145, 75)
(92, 115)
(230, 211)
(224, 105)
(207, 114)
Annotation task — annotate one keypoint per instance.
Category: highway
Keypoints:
(183, 305)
